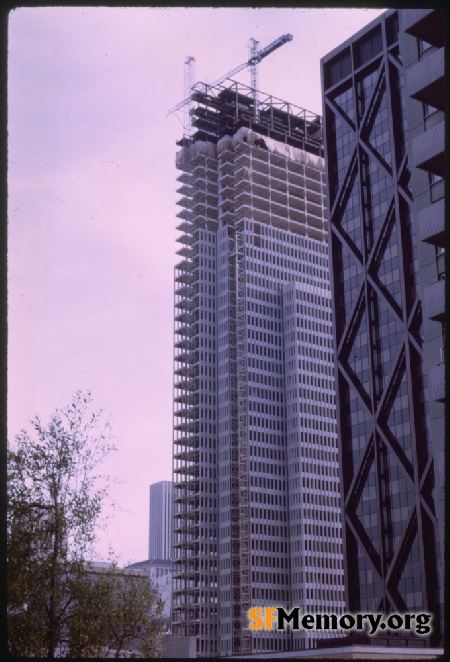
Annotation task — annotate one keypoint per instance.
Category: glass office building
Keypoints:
(390, 424)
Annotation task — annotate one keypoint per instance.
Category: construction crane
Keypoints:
(256, 56)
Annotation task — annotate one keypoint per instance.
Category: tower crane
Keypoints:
(256, 56)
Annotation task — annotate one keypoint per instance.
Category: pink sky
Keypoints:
(92, 207)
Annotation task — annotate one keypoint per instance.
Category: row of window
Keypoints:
(307, 450)
(268, 469)
(281, 251)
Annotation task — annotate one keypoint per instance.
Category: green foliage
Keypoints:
(55, 496)
(118, 614)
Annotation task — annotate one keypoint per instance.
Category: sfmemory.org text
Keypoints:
(270, 618)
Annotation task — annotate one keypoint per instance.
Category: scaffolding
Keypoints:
(239, 508)
(242, 637)
(186, 429)
(198, 203)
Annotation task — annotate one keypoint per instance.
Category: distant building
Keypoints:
(139, 574)
(160, 573)
(384, 147)
(160, 530)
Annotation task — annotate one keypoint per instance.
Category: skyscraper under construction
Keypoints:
(256, 488)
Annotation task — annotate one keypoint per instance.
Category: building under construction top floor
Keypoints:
(220, 110)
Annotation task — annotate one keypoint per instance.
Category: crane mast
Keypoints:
(253, 62)
(255, 58)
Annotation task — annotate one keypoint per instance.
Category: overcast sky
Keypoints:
(92, 207)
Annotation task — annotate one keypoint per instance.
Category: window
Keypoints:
(437, 187)
(428, 110)
(440, 262)
(422, 47)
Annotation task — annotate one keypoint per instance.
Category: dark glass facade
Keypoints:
(391, 539)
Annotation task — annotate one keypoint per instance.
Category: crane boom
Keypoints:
(252, 62)
(270, 48)
(233, 72)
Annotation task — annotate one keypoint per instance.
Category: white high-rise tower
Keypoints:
(256, 487)
(160, 531)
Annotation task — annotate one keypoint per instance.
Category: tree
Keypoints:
(55, 496)
(118, 614)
